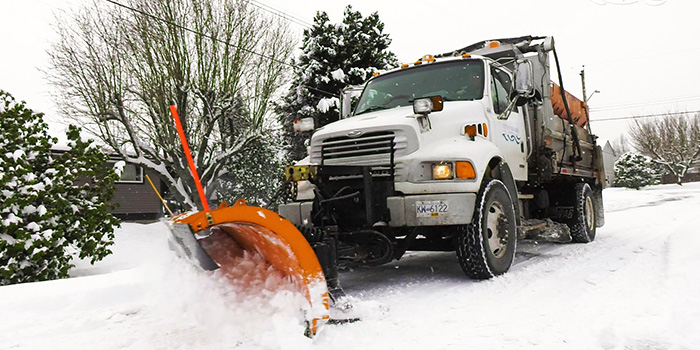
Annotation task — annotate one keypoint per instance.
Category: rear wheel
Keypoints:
(486, 247)
(583, 224)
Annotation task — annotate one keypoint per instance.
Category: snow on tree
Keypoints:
(672, 141)
(334, 56)
(259, 181)
(118, 71)
(634, 170)
(52, 207)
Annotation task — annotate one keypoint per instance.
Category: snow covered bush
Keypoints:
(634, 170)
(52, 207)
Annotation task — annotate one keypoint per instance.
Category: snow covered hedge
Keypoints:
(52, 207)
(634, 170)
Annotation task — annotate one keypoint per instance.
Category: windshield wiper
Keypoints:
(373, 108)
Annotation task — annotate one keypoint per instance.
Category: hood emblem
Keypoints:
(355, 133)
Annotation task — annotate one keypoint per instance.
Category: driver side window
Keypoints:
(500, 90)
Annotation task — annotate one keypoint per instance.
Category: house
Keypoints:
(609, 158)
(134, 195)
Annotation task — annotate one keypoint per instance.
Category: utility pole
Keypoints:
(585, 98)
(583, 86)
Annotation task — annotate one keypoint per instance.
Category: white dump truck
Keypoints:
(466, 151)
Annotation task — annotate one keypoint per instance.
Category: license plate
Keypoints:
(431, 209)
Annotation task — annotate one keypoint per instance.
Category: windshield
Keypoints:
(454, 80)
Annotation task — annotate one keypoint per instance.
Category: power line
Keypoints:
(644, 116)
(280, 13)
(647, 103)
(198, 33)
(144, 13)
(634, 58)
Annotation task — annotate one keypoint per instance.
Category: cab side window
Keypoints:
(500, 89)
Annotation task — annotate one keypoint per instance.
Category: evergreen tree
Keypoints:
(259, 181)
(634, 170)
(52, 207)
(334, 56)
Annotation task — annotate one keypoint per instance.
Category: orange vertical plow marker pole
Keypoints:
(190, 161)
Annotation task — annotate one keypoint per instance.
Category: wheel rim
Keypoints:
(496, 229)
(588, 212)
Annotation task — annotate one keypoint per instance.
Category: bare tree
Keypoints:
(672, 141)
(620, 145)
(118, 69)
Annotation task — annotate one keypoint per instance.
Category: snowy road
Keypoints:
(635, 287)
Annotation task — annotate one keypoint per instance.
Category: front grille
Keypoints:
(372, 148)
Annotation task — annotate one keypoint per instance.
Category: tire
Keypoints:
(486, 247)
(583, 224)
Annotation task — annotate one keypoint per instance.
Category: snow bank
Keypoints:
(143, 297)
(634, 287)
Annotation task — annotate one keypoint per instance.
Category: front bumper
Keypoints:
(404, 210)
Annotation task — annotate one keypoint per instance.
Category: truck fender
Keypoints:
(500, 170)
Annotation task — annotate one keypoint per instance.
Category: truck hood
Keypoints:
(398, 115)
(358, 140)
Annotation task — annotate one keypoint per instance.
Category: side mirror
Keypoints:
(524, 81)
(304, 124)
(346, 96)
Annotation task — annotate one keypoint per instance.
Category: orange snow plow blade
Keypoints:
(263, 232)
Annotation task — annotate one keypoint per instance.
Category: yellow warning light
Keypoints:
(405, 65)
(375, 74)
(418, 62)
(429, 58)
(494, 44)
(466, 55)
(465, 170)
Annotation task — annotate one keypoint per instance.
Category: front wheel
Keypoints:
(486, 247)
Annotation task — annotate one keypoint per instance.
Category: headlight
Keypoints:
(442, 171)
(422, 105)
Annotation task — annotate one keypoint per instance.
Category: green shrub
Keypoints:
(52, 206)
(634, 170)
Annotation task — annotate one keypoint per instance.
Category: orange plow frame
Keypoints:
(278, 242)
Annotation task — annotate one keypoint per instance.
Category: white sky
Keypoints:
(640, 57)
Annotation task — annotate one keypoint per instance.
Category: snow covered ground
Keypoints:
(636, 286)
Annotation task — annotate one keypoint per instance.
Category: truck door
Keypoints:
(508, 129)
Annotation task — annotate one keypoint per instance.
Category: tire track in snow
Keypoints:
(584, 295)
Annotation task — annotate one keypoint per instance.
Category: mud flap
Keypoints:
(598, 205)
